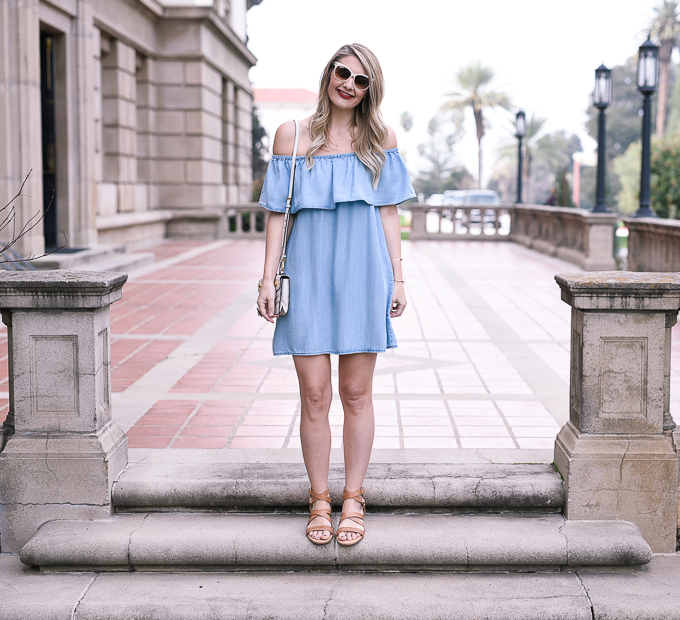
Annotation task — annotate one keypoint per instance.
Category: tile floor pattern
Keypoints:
(479, 316)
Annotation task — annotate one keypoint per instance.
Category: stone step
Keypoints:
(394, 542)
(428, 487)
(124, 262)
(650, 592)
(78, 258)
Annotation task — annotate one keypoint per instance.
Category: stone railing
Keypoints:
(653, 244)
(576, 235)
(617, 453)
(247, 220)
(477, 223)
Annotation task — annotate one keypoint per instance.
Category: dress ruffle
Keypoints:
(335, 179)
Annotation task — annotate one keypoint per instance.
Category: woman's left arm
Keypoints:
(392, 227)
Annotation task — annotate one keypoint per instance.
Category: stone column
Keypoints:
(82, 217)
(21, 139)
(119, 113)
(147, 147)
(243, 147)
(616, 453)
(190, 145)
(418, 223)
(63, 450)
(229, 144)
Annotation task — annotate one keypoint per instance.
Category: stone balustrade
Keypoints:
(576, 235)
(247, 220)
(653, 244)
(488, 223)
(61, 449)
(617, 453)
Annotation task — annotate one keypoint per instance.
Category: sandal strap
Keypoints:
(319, 528)
(321, 512)
(349, 528)
(324, 496)
(357, 496)
(351, 515)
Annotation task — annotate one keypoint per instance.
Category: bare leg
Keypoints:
(356, 393)
(314, 375)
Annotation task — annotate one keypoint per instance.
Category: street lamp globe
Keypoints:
(648, 68)
(602, 97)
(520, 124)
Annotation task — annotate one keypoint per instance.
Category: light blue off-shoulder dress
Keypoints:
(341, 277)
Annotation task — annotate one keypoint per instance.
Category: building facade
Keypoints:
(133, 116)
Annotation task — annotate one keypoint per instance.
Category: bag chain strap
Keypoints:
(289, 201)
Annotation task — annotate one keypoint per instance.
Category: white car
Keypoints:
(436, 200)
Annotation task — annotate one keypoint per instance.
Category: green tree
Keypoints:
(475, 82)
(544, 155)
(563, 188)
(665, 29)
(441, 172)
(673, 125)
(665, 168)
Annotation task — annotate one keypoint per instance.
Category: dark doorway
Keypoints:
(49, 148)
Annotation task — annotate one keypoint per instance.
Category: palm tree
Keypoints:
(551, 150)
(665, 29)
(476, 92)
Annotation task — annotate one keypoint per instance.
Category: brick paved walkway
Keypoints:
(482, 359)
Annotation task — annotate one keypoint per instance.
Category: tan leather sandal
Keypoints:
(357, 496)
(320, 512)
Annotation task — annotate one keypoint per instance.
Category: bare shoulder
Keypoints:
(284, 139)
(391, 140)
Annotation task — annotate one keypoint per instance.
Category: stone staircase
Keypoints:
(422, 518)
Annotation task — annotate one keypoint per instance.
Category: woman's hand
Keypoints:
(398, 300)
(266, 300)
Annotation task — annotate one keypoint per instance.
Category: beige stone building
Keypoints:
(133, 115)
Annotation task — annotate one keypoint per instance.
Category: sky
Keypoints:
(544, 53)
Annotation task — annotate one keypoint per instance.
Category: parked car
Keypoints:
(454, 197)
(436, 200)
(481, 197)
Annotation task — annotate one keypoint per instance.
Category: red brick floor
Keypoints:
(448, 385)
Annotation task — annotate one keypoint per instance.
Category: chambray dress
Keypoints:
(341, 278)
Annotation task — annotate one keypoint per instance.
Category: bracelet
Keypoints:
(397, 259)
(399, 281)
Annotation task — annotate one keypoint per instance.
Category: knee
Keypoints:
(355, 398)
(316, 401)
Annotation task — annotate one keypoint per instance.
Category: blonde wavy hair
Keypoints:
(369, 131)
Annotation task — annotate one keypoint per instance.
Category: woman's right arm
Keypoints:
(283, 145)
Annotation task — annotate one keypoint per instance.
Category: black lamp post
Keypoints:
(602, 99)
(520, 132)
(647, 83)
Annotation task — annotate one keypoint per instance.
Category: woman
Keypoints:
(344, 263)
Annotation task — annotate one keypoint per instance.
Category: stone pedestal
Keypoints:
(63, 450)
(616, 453)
